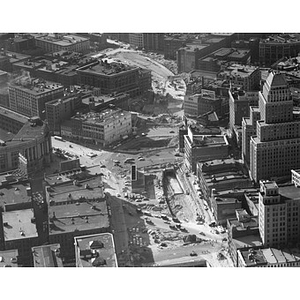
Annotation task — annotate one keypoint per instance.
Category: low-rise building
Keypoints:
(268, 257)
(96, 250)
(243, 233)
(47, 256)
(76, 208)
(9, 258)
(18, 231)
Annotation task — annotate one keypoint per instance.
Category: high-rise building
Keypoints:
(136, 40)
(279, 211)
(248, 130)
(274, 151)
(272, 214)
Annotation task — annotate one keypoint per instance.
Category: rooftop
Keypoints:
(289, 192)
(9, 258)
(5, 135)
(34, 86)
(13, 115)
(252, 240)
(15, 193)
(80, 216)
(106, 67)
(47, 256)
(269, 256)
(239, 70)
(249, 223)
(281, 39)
(276, 80)
(105, 116)
(62, 40)
(97, 250)
(29, 132)
(68, 191)
(18, 224)
(209, 140)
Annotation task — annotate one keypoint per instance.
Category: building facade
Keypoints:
(33, 142)
(203, 147)
(101, 128)
(96, 250)
(59, 110)
(113, 77)
(274, 150)
(60, 42)
(28, 97)
(249, 130)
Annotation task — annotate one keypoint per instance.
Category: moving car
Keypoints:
(193, 253)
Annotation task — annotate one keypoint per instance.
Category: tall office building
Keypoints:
(275, 148)
(271, 210)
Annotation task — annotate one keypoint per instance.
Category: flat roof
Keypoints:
(209, 140)
(61, 40)
(13, 115)
(107, 67)
(34, 86)
(81, 216)
(19, 225)
(269, 256)
(270, 184)
(28, 132)
(289, 192)
(47, 256)
(251, 222)
(103, 247)
(61, 192)
(102, 117)
(8, 258)
(6, 135)
(252, 240)
(14, 193)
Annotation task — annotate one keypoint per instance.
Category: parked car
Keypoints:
(193, 253)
